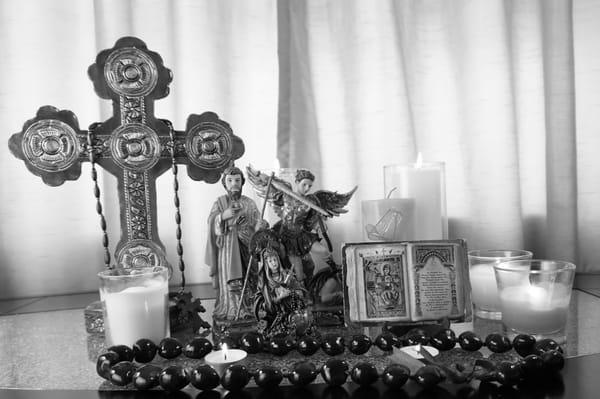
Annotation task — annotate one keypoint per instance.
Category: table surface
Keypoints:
(50, 353)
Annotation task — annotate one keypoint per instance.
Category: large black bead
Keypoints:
(122, 373)
(335, 372)
(105, 362)
(197, 348)
(386, 341)
(173, 378)
(205, 378)
(553, 360)
(235, 377)
(279, 345)
(252, 342)
(144, 350)
(546, 344)
(303, 373)
(509, 373)
(268, 377)
(333, 345)
(524, 344)
(429, 376)
(308, 345)
(125, 353)
(360, 344)
(533, 366)
(444, 340)
(146, 377)
(170, 348)
(470, 341)
(364, 374)
(395, 375)
(498, 343)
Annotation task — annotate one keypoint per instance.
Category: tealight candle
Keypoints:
(221, 359)
(415, 350)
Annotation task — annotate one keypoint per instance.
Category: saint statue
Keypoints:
(232, 221)
(279, 304)
(301, 213)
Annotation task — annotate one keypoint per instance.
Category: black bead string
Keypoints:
(174, 170)
(117, 365)
(92, 158)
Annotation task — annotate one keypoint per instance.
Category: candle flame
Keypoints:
(224, 349)
(419, 161)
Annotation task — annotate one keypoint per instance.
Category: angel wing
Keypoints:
(260, 182)
(332, 201)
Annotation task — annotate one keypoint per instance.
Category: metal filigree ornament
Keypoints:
(138, 254)
(135, 146)
(50, 145)
(209, 145)
(130, 72)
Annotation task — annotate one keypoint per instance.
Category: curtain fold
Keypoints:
(488, 87)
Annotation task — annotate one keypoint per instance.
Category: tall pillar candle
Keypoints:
(390, 219)
(424, 182)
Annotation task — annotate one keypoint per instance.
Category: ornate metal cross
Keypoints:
(133, 144)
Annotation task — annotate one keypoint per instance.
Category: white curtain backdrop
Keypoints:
(223, 56)
(506, 93)
(488, 87)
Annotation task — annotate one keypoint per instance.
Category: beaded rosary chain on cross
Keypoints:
(539, 358)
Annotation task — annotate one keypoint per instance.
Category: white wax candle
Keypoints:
(484, 290)
(414, 350)
(424, 183)
(137, 312)
(221, 359)
(532, 309)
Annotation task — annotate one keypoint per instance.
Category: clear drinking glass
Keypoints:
(135, 304)
(484, 291)
(535, 295)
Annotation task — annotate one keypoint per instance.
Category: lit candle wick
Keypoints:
(419, 161)
(224, 349)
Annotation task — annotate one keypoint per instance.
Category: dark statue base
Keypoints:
(232, 329)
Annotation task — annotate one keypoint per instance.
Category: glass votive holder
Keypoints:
(135, 304)
(534, 296)
(484, 290)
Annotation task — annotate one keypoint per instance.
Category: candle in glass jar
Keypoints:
(484, 290)
(137, 312)
(534, 310)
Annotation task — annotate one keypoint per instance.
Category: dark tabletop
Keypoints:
(47, 354)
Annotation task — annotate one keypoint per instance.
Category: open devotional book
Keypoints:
(405, 282)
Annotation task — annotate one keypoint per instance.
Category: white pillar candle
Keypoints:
(425, 184)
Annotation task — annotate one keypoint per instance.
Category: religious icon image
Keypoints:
(301, 215)
(233, 220)
(384, 288)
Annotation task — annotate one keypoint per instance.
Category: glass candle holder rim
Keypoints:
(150, 271)
(478, 254)
(415, 164)
(506, 266)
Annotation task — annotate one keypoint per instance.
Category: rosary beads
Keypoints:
(119, 364)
